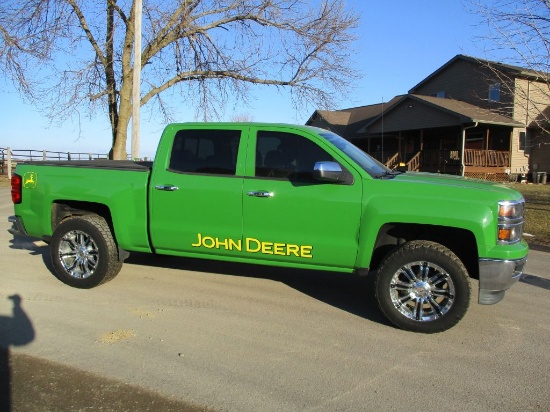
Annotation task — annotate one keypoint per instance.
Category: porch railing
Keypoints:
(393, 161)
(413, 165)
(486, 158)
(448, 161)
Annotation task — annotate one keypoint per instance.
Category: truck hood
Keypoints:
(433, 181)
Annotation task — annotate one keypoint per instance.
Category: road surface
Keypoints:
(247, 338)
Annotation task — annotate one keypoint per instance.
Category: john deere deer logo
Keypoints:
(29, 180)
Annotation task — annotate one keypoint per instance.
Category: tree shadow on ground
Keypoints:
(15, 330)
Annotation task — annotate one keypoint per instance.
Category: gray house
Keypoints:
(473, 117)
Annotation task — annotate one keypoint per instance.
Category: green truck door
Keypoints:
(288, 216)
(196, 202)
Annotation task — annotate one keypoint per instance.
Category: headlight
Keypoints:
(510, 221)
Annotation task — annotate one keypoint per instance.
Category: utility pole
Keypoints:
(136, 80)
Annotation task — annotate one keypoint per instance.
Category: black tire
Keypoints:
(83, 252)
(423, 287)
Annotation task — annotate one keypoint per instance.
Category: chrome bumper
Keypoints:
(496, 276)
(18, 228)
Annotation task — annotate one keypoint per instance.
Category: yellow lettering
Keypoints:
(305, 251)
(293, 249)
(267, 248)
(279, 249)
(225, 243)
(210, 240)
(235, 245)
(249, 240)
(199, 242)
(254, 246)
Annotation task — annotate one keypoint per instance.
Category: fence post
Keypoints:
(68, 155)
(9, 163)
(43, 155)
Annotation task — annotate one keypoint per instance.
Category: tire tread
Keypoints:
(403, 253)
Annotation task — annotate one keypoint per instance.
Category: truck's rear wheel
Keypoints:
(423, 287)
(83, 252)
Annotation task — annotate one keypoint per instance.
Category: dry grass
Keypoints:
(537, 212)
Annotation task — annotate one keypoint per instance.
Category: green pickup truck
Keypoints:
(280, 195)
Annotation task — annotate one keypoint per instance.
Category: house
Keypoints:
(471, 116)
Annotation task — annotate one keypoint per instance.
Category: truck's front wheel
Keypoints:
(423, 287)
(84, 252)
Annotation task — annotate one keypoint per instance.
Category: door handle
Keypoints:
(260, 193)
(168, 188)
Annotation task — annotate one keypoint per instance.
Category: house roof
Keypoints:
(468, 112)
(463, 112)
(357, 120)
(511, 70)
(348, 120)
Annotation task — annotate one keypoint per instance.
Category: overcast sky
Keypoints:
(400, 43)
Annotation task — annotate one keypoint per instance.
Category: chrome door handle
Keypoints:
(168, 188)
(260, 193)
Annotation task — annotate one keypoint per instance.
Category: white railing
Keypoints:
(9, 158)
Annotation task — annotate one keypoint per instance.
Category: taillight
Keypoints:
(16, 184)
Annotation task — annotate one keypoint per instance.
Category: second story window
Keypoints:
(494, 92)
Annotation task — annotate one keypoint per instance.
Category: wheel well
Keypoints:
(63, 209)
(462, 242)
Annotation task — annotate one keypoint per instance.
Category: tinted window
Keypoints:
(205, 151)
(286, 155)
(369, 164)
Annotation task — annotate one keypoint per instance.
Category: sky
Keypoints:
(400, 42)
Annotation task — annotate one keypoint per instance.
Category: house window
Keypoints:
(438, 94)
(494, 92)
(524, 142)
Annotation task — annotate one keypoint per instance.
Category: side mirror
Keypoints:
(331, 172)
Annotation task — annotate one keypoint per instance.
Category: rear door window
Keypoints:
(205, 151)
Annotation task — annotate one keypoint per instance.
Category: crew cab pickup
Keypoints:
(281, 195)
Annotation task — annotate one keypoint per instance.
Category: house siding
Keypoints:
(469, 82)
(411, 115)
(530, 107)
(540, 153)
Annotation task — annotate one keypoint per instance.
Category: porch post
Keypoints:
(400, 146)
(464, 128)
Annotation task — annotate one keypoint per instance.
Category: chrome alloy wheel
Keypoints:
(422, 291)
(78, 254)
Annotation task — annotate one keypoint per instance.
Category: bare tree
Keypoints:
(520, 30)
(69, 56)
(242, 117)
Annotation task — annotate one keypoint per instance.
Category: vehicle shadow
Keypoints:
(35, 247)
(15, 330)
(536, 281)
(348, 292)
(28, 243)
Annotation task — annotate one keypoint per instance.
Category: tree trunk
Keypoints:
(124, 116)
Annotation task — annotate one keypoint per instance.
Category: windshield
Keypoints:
(372, 166)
